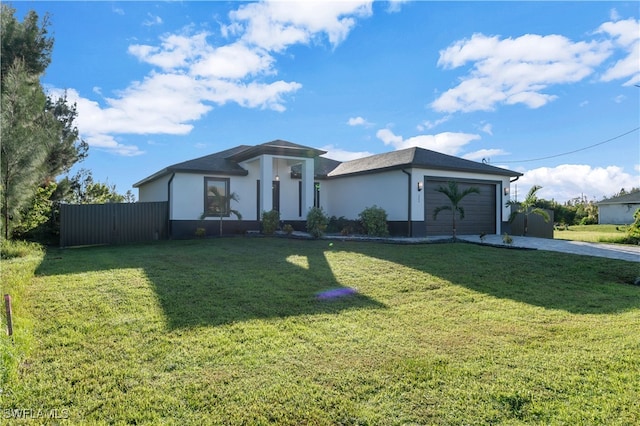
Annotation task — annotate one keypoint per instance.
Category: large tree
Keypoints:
(39, 138)
(22, 162)
(25, 41)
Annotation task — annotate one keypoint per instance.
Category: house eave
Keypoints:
(507, 173)
(167, 171)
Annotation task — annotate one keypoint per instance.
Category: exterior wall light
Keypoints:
(420, 186)
(506, 191)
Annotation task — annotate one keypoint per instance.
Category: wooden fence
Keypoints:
(116, 223)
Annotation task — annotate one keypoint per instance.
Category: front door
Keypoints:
(276, 195)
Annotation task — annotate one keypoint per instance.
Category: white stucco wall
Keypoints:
(348, 196)
(187, 196)
(616, 214)
(344, 196)
(154, 191)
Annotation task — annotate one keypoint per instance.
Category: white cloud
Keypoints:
(511, 71)
(152, 20)
(447, 142)
(174, 51)
(190, 75)
(431, 124)
(395, 5)
(568, 181)
(342, 155)
(275, 25)
(358, 121)
(626, 35)
(108, 143)
(483, 154)
(487, 128)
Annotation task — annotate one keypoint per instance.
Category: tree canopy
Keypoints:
(39, 138)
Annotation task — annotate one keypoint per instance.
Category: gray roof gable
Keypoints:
(218, 163)
(631, 198)
(416, 157)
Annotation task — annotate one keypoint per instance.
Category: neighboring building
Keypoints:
(618, 210)
(292, 178)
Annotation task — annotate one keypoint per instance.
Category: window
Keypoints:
(216, 201)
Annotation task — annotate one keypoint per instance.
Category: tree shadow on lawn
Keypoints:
(573, 283)
(216, 282)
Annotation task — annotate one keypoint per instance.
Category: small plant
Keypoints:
(374, 221)
(317, 222)
(288, 229)
(201, 232)
(270, 221)
(483, 236)
(506, 238)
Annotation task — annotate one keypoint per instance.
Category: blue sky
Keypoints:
(157, 83)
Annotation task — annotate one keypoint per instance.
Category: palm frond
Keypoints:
(438, 210)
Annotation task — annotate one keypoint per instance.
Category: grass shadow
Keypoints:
(573, 283)
(221, 281)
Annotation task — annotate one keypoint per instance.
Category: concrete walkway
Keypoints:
(627, 252)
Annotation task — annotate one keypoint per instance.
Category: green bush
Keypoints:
(317, 222)
(288, 229)
(374, 221)
(270, 222)
(633, 231)
(343, 226)
(589, 220)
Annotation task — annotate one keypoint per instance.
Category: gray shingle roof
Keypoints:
(632, 198)
(218, 163)
(277, 147)
(416, 157)
(226, 162)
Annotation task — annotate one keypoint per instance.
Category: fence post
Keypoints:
(7, 304)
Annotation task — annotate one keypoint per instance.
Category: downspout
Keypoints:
(409, 201)
(169, 206)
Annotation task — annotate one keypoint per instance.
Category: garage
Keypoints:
(479, 209)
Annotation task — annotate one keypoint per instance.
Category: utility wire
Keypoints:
(573, 152)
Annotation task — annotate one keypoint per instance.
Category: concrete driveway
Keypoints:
(613, 251)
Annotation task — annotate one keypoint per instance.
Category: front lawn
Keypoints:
(593, 233)
(245, 331)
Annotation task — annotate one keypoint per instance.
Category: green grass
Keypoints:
(593, 233)
(230, 331)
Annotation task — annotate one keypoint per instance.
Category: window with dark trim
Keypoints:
(216, 201)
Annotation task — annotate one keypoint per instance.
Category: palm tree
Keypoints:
(221, 204)
(527, 207)
(455, 197)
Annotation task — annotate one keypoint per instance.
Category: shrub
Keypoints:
(288, 229)
(200, 232)
(342, 225)
(270, 221)
(374, 221)
(317, 222)
(589, 220)
(633, 231)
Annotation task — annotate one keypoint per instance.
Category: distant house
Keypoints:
(293, 178)
(618, 210)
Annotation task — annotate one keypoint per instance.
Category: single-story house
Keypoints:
(292, 179)
(618, 210)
